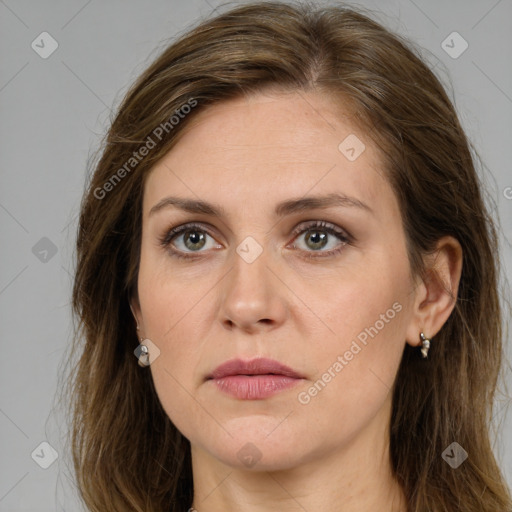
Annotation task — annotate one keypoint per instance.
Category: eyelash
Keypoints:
(332, 229)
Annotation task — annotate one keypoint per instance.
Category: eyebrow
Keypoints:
(282, 209)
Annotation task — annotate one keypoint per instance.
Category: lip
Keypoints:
(255, 379)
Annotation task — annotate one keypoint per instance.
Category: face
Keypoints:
(323, 289)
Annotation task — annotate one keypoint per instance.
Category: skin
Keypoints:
(247, 155)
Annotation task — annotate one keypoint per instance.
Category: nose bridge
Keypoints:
(251, 293)
(250, 272)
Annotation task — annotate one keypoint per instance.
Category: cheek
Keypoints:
(171, 299)
(362, 301)
(172, 321)
(171, 317)
(168, 312)
(355, 369)
(367, 317)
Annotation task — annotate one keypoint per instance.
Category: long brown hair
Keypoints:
(127, 454)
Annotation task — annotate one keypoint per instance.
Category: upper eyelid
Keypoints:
(320, 224)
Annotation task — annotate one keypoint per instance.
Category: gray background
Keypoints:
(54, 112)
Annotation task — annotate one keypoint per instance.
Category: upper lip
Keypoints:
(260, 366)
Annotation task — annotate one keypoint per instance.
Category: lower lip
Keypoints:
(254, 387)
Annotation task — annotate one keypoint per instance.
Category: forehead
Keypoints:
(270, 147)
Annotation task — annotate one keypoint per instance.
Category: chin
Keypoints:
(258, 443)
(257, 457)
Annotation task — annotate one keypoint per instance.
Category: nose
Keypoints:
(253, 296)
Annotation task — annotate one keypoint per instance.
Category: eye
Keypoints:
(318, 235)
(191, 238)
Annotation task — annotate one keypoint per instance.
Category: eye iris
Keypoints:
(196, 238)
(319, 239)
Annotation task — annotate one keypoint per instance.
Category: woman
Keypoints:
(335, 342)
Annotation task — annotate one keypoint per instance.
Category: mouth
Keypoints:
(253, 380)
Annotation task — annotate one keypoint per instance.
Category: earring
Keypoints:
(144, 355)
(425, 345)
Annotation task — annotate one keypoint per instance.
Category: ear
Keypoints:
(135, 307)
(436, 295)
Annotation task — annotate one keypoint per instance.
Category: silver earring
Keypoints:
(144, 355)
(425, 345)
